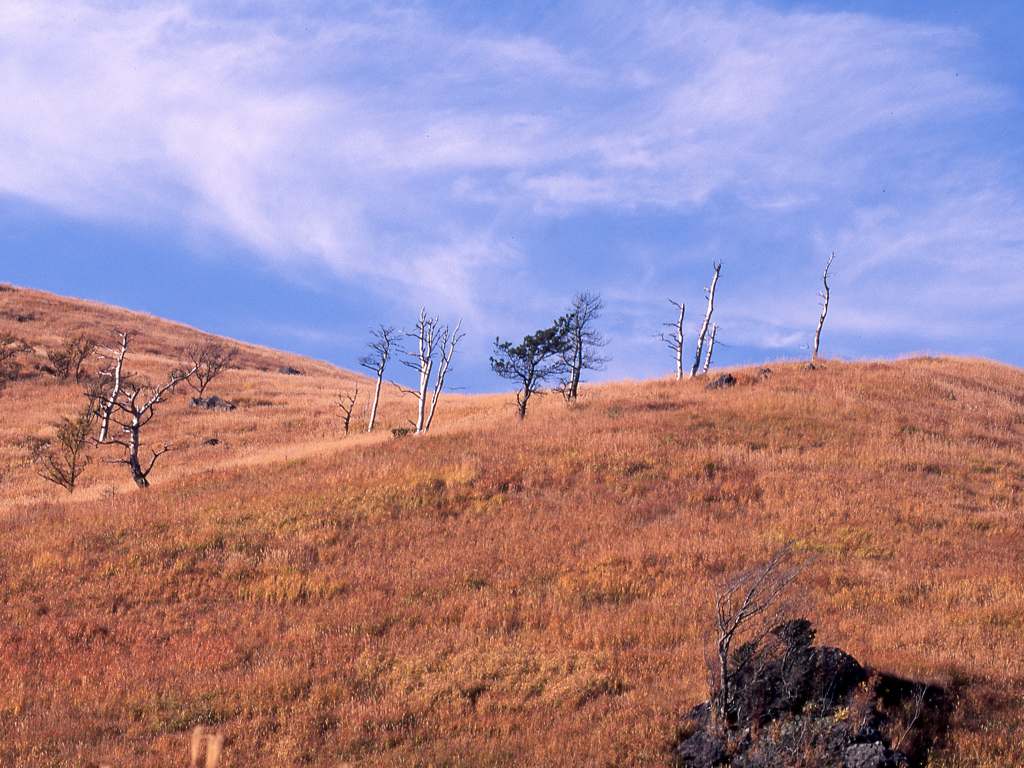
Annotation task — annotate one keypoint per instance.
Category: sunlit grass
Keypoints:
(496, 592)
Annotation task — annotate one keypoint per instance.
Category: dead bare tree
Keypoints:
(711, 348)
(447, 348)
(707, 319)
(347, 403)
(582, 342)
(675, 338)
(384, 338)
(115, 377)
(207, 360)
(748, 607)
(132, 409)
(430, 337)
(422, 360)
(824, 307)
(67, 359)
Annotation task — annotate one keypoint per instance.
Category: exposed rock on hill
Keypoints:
(212, 403)
(725, 380)
(815, 707)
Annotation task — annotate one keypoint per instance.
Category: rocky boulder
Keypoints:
(795, 704)
(212, 403)
(725, 380)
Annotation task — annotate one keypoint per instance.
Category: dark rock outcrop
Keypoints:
(212, 403)
(725, 380)
(792, 703)
(701, 751)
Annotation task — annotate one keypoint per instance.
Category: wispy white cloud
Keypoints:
(379, 142)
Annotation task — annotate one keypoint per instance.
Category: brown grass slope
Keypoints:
(495, 593)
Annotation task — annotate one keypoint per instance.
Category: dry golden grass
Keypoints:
(497, 592)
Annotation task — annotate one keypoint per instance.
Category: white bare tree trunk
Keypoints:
(381, 350)
(707, 321)
(131, 417)
(448, 342)
(376, 399)
(675, 338)
(426, 344)
(421, 406)
(117, 381)
(711, 348)
(824, 307)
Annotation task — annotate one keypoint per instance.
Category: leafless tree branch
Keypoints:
(675, 338)
(347, 403)
(824, 306)
(206, 360)
(385, 337)
(707, 320)
(749, 606)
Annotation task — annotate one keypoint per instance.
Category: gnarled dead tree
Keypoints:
(114, 378)
(707, 320)
(582, 342)
(824, 307)
(385, 338)
(431, 338)
(129, 405)
(675, 338)
(449, 338)
(131, 410)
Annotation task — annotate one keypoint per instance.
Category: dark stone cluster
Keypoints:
(791, 703)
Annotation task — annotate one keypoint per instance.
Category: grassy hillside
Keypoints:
(497, 592)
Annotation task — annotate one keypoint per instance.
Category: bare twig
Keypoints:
(347, 403)
(385, 337)
(675, 338)
(824, 306)
(750, 604)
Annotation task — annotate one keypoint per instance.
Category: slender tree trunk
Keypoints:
(138, 475)
(711, 348)
(381, 349)
(376, 399)
(116, 381)
(679, 342)
(421, 408)
(521, 400)
(824, 308)
(577, 370)
(448, 342)
(707, 321)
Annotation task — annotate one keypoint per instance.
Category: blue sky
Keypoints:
(294, 173)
